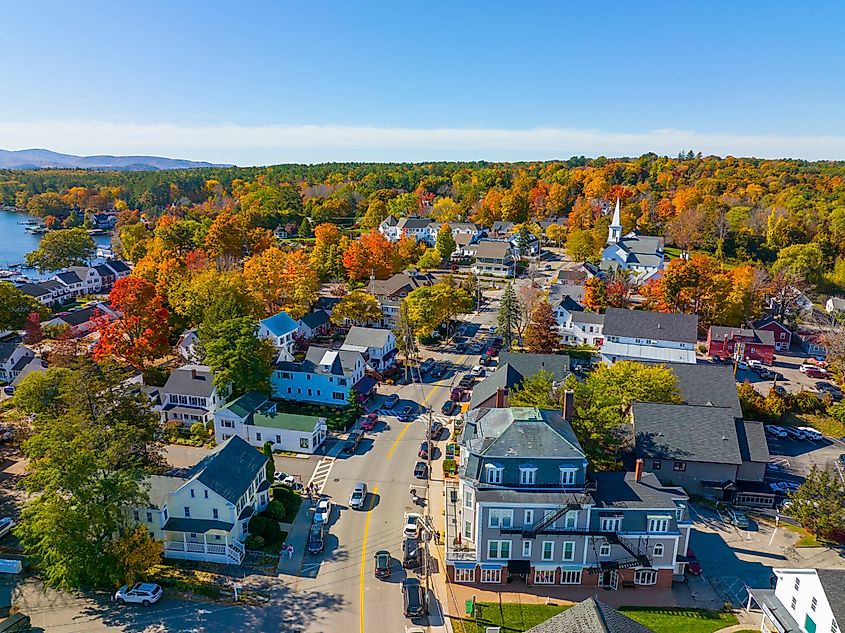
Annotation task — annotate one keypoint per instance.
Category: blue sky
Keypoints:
(264, 82)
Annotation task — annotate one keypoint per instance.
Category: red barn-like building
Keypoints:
(759, 344)
(782, 334)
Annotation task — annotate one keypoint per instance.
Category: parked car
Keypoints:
(811, 434)
(316, 539)
(780, 390)
(6, 524)
(323, 510)
(456, 395)
(774, 430)
(9, 391)
(413, 597)
(410, 553)
(466, 382)
(351, 444)
(742, 365)
(382, 564)
(450, 406)
(485, 360)
(841, 459)
(755, 364)
(814, 372)
(437, 371)
(426, 365)
(794, 433)
(477, 371)
(783, 486)
(421, 470)
(412, 525)
(423, 452)
(738, 518)
(492, 329)
(435, 430)
(358, 496)
(693, 566)
(391, 401)
(405, 413)
(369, 422)
(145, 593)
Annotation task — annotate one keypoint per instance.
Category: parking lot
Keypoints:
(790, 377)
(793, 459)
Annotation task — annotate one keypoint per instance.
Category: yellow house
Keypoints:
(204, 515)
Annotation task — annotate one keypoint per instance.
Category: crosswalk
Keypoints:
(321, 474)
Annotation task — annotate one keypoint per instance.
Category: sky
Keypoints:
(254, 83)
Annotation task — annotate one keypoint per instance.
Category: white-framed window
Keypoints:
(570, 577)
(604, 550)
(611, 524)
(528, 517)
(544, 576)
(813, 604)
(498, 549)
(568, 550)
(467, 529)
(834, 628)
(491, 575)
(797, 583)
(548, 550)
(658, 524)
(657, 550)
(494, 474)
(793, 603)
(467, 498)
(527, 475)
(571, 519)
(500, 518)
(567, 475)
(526, 549)
(645, 577)
(215, 514)
(464, 575)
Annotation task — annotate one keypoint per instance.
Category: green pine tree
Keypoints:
(509, 315)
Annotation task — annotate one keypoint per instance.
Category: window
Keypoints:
(498, 549)
(526, 549)
(814, 604)
(187, 511)
(645, 577)
(491, 575)
(569, 550)
(341, 381)
(500, 518)
(136, 515)
(797, 583)
(604, 550)
(571, 519)
(258, 436)
(278, 439)
(205, 493)
(680, 467)
(465, 575)
(834, 628)
(544, 576)
(309, 392)
(570, 577)
(658, 524)
(215, 514)
(656, 464)
(658, 549)
(528, 517)
(548, 550)
(217, 537)
(611, 524)
(304, 442)
(467, 498)
(527, 475)
(567, 476)
(467, 529)
(164, 513)
(336, 395)
(192, 493)
(149, 517)
(793, 603)
(494, 474)
(286, 375)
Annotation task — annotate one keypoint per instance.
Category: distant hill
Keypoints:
(45, 159)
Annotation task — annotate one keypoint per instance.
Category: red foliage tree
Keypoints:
(140, 334)
(33, 334)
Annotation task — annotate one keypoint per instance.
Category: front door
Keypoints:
(614, 580)
(609, 579)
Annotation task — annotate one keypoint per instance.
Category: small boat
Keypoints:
(7, 273)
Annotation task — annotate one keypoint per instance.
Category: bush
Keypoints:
(289, 499)
(155, 377)
(450, 467)
(267, 529)
(198, 430)
(837, 411)
(253, 541)
(275, 511)
(807, 402)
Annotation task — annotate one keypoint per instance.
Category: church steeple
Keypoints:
(614, 231)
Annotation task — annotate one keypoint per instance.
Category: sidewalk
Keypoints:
(298, 537)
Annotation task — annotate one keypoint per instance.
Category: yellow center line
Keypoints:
(364, 556)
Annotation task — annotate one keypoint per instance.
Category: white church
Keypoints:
(642, 255)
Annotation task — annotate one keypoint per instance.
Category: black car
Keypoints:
(435, 429)
(448, 407)
(423, 452)
(405, 413)
(391, 401)
(426, 365)
(410, 553)
(414, 601)
(316, 539)
(382, 564)
(352, 441)
(421, 470)
(437, 371)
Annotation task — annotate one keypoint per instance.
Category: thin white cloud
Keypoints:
(313, 143)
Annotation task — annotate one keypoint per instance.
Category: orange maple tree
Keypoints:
(140, 334)
(372, 254)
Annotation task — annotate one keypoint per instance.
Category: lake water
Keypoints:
(15, 242)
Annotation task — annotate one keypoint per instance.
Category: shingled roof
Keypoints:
(660, 326)
(590, 616)
(229, 469)
(706, 385)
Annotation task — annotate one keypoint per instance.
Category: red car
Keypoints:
(369, 422)
(815, 373)
(693, 566)
(457, 395)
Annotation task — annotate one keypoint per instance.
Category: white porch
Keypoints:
(231, 552)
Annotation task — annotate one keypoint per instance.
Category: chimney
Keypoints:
(193, 373)
(568, 404)
(501, 398)
(638, 470)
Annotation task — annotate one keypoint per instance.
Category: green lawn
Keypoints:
(515, 618)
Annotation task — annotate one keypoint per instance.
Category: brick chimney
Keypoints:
(638, 469)
(193, 373)
(501, 398)
(568, 404)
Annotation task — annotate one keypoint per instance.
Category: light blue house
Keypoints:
(324, 377)
(279, 330)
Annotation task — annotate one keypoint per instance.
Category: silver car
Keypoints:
(358, 496)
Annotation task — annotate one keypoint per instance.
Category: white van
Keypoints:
(810, 433)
